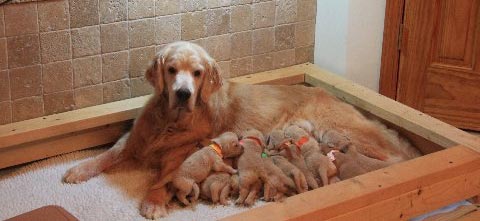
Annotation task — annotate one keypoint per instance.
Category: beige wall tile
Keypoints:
(304, 54)
(23, 51)
(4, 86)
(304, 33)
(286, 11)
(241, 66)
(86, 41)
(306, 9)
(168, 29)
(114, 37)
(88, 96)
(2, 23)
(264, 14)
(57, 77)
(116, 90)
(55, 46)
(193, 25)
(224, 68)
(218, 21)
(26, 82)
(262, 62)
(284, 58)
(5, 112)
(263, 40)
(241, 44)
(20, 19)
(112, 11)
(87, 71)
(219, 47)
(241, 18)
(284, 37)
(168, 7)
(218, 3)
(141, 33)
(3, 54)
(241, 2)
(115, 66)
(58, 102)
(200, 42)
(194, 5)
(141, 9)
(140, 86)
(83, 13)
(139, 60)
(27, 108)
(53, 15)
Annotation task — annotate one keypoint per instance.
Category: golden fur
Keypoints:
(216, 188)
(168, 131)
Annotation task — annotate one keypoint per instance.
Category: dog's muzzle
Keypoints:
(183, 95)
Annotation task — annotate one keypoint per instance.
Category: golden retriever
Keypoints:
(191, 102)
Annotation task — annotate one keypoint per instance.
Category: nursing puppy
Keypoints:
(197, 167)
(352, 163)
(316, 162)
(278, 183)
(216, 188)
(294, 156)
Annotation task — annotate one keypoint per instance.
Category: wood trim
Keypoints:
(391, 193)
(390, 48)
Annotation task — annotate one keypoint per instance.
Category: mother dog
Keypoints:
(191, 102)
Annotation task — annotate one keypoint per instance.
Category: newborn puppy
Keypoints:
(251, 170)
(316, 162)
(278, 183)
(291, 171)
(352, 163)
(216, 188)
(275, 143)
(331, 139)
(291, 153)
(198, 166)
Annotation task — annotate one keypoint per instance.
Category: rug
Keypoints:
(114, 195)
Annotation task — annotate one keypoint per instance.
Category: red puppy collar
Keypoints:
(258, 141)
(217, 148)
(301, 142)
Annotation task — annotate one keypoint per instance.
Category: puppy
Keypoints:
(291, 153)
(352, 163)
(278, 184)
(316, 162)
(290, 170)
(216, 188)
(198, 166)
(331, 140)
(275, 143)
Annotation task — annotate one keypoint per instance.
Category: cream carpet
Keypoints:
(114, 195)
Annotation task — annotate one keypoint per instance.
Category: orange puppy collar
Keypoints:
(217, 148)
(301, 142)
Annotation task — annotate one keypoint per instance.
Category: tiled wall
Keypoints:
(61, 55)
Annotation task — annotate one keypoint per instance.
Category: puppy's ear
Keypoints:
(212, 80)
(154, 73)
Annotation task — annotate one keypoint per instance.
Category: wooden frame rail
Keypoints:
(400, 191)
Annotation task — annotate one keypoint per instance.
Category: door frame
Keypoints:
(390, 64)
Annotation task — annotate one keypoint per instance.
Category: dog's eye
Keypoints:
(197, 73)
(172, 70)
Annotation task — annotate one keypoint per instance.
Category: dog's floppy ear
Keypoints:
(154, 73)
(212, 80)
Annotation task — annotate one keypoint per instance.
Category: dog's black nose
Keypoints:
(183, 94)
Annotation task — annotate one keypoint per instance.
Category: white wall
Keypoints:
(348, 39)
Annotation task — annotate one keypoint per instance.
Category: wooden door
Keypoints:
(439, 70)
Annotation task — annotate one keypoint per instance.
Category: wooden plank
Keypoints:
(387, 109)
(392, 187)
(70, 122)
(286, 76)
(37, 150)
(474, 216)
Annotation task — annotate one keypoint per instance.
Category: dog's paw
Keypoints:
(76, 175)
(150, 210)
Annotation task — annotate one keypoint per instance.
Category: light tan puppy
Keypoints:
(276, 141)
(197, 167)
(278, 183)
(352, 163)
(316, 162)
(291, 153)
(216, 188)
